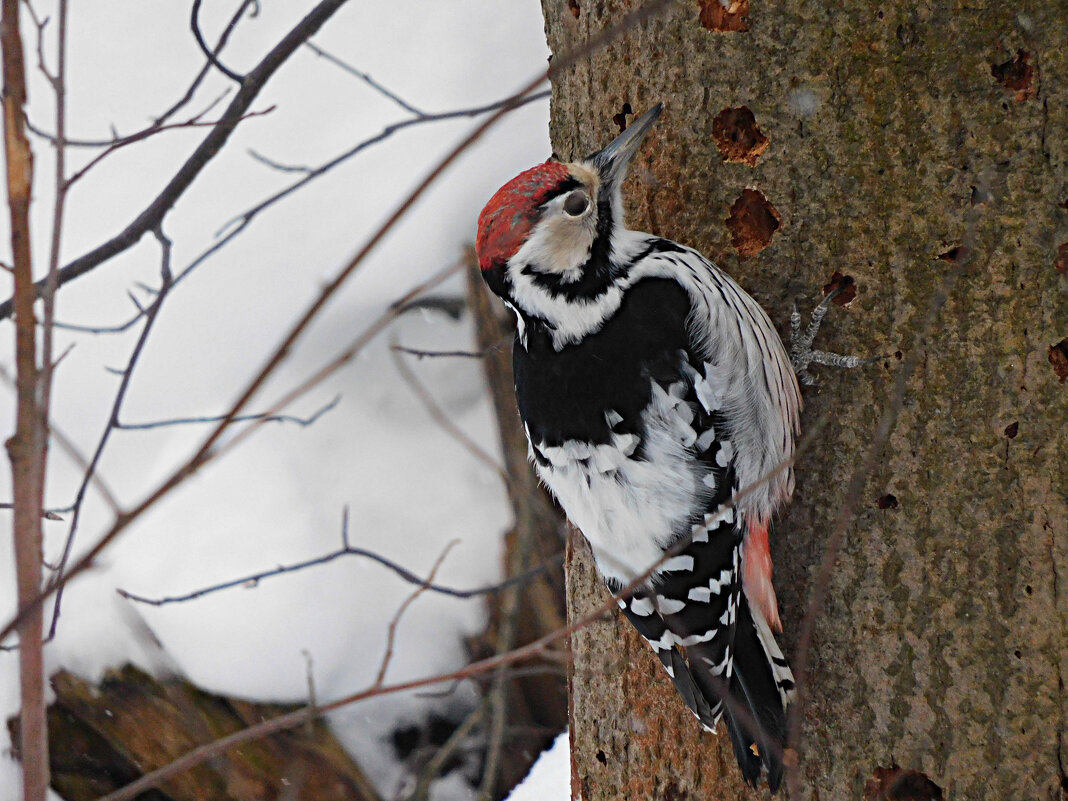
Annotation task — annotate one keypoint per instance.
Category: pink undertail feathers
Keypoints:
(757, 567)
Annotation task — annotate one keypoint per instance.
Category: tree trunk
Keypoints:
(907, 142)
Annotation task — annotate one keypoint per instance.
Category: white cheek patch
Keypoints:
(559, 244)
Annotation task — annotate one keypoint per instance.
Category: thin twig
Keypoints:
(213, 59)
(47, 514)
(66, 444)
(437, 414)
(367, 79)
(347, 549)
(140, 136)
(313, 696)
(151, 313)
(498, 107)
(391, 634)
(177, 106)
(437, 763)
(277, 165)
(438, 354)
(223, 38)
(149, 219)
(238, 224)
(48, 296)
(303, 422)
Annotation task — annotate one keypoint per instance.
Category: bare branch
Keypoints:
(367, 79)
(40, 24)
(194, 24)
(347, 549)
(276, 165)
(153, 215)
(28, 447)
(391, 634)
(498, 107)
(66, 444)
(237, 225)
(159, 121)
(47, 514)
(303, 422)
(438, 354)
(140, 136)
(437, 414)
(151, 313)
(223, 38)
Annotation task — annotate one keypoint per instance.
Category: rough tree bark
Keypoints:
(906, 141)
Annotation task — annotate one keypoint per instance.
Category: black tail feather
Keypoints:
(740, 674)
(756, 714)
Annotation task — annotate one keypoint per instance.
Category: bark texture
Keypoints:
(901, 138)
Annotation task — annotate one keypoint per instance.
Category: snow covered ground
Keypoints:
(279, 498)
(550, 777)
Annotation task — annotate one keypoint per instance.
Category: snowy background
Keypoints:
(279, 497)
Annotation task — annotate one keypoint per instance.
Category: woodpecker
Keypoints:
(661, 410)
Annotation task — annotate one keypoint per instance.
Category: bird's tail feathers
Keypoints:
(761, 687)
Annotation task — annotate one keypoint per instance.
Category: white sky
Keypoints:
(279, 498)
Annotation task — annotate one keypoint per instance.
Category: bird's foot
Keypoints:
(801, 352)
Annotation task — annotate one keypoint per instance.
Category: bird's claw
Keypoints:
(801, 352)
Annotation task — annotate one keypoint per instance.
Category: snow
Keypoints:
(550, 777)
(410, 489)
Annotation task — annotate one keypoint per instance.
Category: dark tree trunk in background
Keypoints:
(897, 132)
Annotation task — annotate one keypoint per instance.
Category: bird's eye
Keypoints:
(576, 203)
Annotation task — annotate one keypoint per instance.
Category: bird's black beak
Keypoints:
(611, 162)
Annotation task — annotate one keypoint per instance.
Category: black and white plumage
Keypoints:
(660, 407)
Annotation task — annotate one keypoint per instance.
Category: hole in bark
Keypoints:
(844, 287)
(906, 34)
(1017, 653)
(1012, 429)
(573, 7)
(1058, 358)
(1028, 590)
(752, 222)
(672, 793)
(1061, 262)
(725, 16)
(980, 195)
(1016, 75)
(888, 501)
(602, 758)
(738, 136)
(897, 784)
(620, 119)
(954, 253)
(898, 355)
